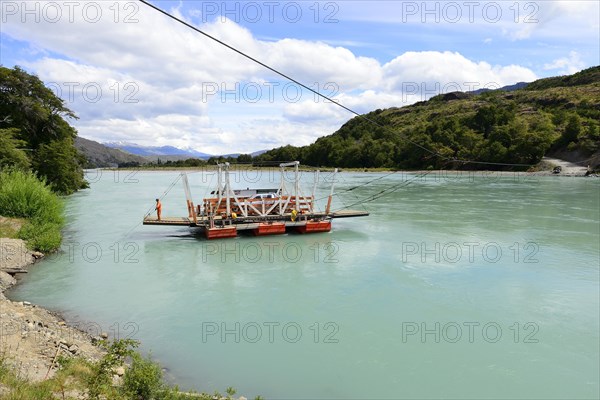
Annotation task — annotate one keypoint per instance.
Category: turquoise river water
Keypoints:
(456, 286)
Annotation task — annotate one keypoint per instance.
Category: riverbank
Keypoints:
(32, 338)
(543, 168)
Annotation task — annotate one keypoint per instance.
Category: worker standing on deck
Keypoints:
(158, 208)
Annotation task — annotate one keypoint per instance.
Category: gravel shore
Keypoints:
(31, 337)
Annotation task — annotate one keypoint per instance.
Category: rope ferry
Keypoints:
(261, 211)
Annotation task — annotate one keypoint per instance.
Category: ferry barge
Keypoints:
(261, 211)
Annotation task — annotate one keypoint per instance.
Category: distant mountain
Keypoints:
(258, 153)
(254, 154)
(168, 153)
(99, 155)
(153, 151)
(163, 157)
(508, 88)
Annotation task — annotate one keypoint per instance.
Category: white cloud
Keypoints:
(164, 70)
(308, 110)
(567, 65)
(167, 129)
(96, 93)
(433, 71)
(319, 62)
(370, 100)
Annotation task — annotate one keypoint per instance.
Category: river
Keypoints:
(458, 285)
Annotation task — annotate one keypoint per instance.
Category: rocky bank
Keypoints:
(31, 338)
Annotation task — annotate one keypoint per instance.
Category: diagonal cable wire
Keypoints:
(364, 117)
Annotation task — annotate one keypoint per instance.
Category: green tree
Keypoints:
(11, 150)
(573, 129)
(244, 158)
(59, 162)
(484, 120)
(588, 140)
(38, 116)
(33, 108)
(143, 380)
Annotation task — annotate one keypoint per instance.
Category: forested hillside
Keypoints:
(516, 127)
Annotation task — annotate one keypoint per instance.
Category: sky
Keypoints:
(132, 74)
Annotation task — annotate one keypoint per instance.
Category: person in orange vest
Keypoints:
(158, 208)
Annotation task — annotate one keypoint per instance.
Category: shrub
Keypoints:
(42, 236)
(143, 380)
(93, 379)
(23, 195)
